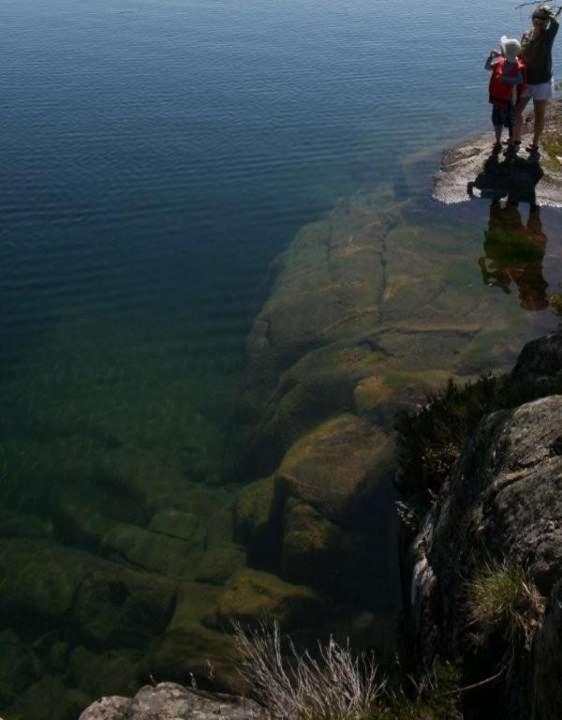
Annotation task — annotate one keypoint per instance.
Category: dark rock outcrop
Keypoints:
(500, 506)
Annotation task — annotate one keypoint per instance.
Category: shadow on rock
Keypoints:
(515, 178)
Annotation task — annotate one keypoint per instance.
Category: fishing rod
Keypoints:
(528, 4)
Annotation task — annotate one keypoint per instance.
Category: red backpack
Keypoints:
(500, 92)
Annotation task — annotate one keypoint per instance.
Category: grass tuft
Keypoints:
(502, 599)
(332, 684)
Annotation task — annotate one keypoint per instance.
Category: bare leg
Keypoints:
(540, 112)
(518, 124)
(498, 129)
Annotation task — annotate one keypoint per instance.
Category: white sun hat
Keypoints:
(511, 48)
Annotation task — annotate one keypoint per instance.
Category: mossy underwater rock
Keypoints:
(188, 648)
(257, 515)
(180, 525)
(122, 607)
(109, 672)
(252, 596)
(206, 655)
(314, 521)
(219, 563)
(370, 312)
(20, 667)
(48, 698)
(39, 580)
(336, 462)
(151, 551)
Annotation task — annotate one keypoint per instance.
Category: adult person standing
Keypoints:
(536, 53)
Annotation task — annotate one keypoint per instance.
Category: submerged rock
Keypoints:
(168, 701)
(251, 596)
(106, 672)
(121, 607)
(369, 313)
(152, 551)
(48, 698)
(180, 525)
(105, 603)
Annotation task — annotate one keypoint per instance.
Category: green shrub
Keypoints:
(432, 439)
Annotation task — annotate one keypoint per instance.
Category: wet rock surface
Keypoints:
(168, 701)
(472, 169)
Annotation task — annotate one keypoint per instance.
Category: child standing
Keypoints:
(506, 83)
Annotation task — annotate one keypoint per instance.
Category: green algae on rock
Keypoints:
(369, 312)
(252, 595)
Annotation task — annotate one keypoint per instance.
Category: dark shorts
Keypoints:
(503, 117)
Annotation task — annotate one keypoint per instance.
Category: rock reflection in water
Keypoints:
(514, 254)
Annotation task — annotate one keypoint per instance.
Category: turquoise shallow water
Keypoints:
(157, 156)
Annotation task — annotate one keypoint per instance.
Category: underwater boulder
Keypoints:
(180, 525)
(39, 580)
(20, 667)
(219, 563)
(20, 525)
(107, 672)
(336, 463)
(257, 518)
(251, 596)
(48, 699)
(207, 656)
(328, 290)
(151, 551)
(115, 606)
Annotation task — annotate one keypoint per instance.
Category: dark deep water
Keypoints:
(156, 157)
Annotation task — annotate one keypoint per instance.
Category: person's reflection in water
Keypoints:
(514, 254)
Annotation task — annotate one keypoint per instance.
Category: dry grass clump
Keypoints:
(332, 684)
(502, 599)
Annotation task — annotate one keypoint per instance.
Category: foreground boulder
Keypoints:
(168, 701)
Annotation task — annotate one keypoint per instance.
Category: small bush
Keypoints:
(502, 599)
(331, 685)
(432, 439)
(435, 696)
